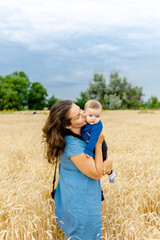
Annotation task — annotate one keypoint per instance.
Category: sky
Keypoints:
(62, 43)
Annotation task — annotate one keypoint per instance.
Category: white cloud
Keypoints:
(30, 22)
(81, 73)
(103, 48)
(94, 49)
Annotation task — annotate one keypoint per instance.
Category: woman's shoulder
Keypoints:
(69, 139)
(74, 146)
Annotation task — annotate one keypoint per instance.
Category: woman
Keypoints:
(78, 193)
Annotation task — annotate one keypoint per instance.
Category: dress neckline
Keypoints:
(70, 133)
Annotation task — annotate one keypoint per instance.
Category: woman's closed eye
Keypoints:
(79, 114)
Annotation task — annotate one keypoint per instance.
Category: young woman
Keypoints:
(78, 193)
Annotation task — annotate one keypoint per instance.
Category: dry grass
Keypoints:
(132, 205)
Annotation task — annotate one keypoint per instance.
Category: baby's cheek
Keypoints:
(97, 120)
(87, 119)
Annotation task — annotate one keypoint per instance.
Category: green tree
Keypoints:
(117, 94)
(134, 95)
(1, 92)
(153, 102)
(82, 100)
(130, 97)
(117, 85)
(52, 100)
(97, 88)
(37, 96)
(14, 91)
(112, 102)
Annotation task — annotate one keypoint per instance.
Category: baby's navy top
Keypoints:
(94, 131)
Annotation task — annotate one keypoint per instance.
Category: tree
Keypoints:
(116, 85)
(153, 102)
(117, 94)
(14, 91)
(130, 96)
(37, 96)
(1, 92)
(97, 88)
(112, 102)
(134, 95)
(52, 100)
(82, 100)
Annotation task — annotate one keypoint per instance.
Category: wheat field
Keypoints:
(131, 209)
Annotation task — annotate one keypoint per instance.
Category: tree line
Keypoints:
(118, 94)
(17, 92)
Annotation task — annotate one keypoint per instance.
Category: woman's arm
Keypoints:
(107, 165)
(87, 165)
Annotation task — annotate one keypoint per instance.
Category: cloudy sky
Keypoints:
(62, 43)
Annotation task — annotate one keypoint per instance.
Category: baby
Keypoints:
(93, 110)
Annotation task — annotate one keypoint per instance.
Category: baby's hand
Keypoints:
(104, 170)
(87, 155)
(88, 134)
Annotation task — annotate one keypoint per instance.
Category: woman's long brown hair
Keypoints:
(54, 129)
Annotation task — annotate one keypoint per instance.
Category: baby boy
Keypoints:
(93, 110)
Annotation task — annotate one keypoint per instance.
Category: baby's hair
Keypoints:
(94, 104)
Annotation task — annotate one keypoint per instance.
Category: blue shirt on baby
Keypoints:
(94, 131)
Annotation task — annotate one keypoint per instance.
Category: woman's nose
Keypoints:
(83, 113)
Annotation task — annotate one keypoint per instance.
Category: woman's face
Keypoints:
(78, 117)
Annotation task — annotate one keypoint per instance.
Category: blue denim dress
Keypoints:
(77, 197)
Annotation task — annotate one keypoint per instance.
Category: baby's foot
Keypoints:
(112, 177)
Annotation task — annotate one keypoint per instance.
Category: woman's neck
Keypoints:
(76, 131)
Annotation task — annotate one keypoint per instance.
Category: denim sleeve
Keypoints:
(74, 146)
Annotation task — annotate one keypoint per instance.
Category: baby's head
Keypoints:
(93, 110)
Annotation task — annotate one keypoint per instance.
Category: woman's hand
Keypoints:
(107, 165)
